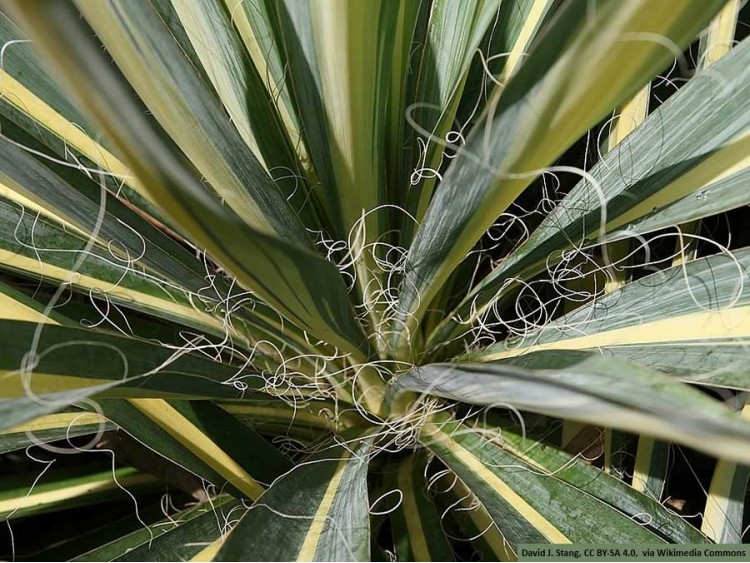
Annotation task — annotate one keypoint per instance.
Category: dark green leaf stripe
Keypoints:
(719, 364)
(10, 295)
(509, 39)
(466, 519)
(257, 27)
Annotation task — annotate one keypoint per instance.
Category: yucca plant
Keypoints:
(411, 279)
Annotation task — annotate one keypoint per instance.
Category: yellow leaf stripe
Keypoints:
(492, 535)
(631, 115)
(15, 310)
(11, 386)
(54, 421)
(720, 35)
(27, 102)
(312, 538)
(530, 26)
(34, 267)
(703, 325)
(524, 509)
(417, 539)
(190, 436)
(72, 492)
(209, 552)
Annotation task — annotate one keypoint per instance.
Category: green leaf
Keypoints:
(604, 49)
(591, 388)
(716, 197)
(340, 55)
(178, 538)
(77, 200)
(136, 368)
(454, 32)
(657, 166)
(316, 512)
(151, 59)
(21, 62)
(287, 27)
(257, 26)
(44, 249)
(129, 419)
(82, 541)
(698, 332)
(50, 428)
(575, 471)
(416, 523)
(504, 47)
(301, 285)
(245, 97)
(723, 517)
(21, 408)
(18, 306)
(319, 413)
(58, 490)
(197, 438)
(34, 101)
(239, 440)
(337, 83)
(526, 505)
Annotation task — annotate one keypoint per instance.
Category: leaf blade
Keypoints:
(328, 498)
(590, 388)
